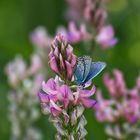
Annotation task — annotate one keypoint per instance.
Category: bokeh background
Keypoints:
(19, 17)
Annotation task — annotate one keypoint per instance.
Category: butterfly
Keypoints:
(86, 70)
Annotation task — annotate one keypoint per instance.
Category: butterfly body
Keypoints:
(86, 70)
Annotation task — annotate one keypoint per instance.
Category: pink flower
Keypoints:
(36, 84)
(40, 38)
(73, 34)
(123, 103)
(61, 58)
(48, 97)
(55, 97)
(65, 95)
(16, 70)
(48, 91)
(106, 37)
(95, 13)
(104, 111)
(83, 96)
(36, 64)
(54, 108)
(100, 18)
(51, 89)
(116, 86)
(75, 9)
(131, 105)
(131, 110)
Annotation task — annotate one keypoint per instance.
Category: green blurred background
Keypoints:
(19, 17)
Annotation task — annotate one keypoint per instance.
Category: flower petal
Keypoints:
(88, 93)
(89, 103)
(43, 97)
(55, 109)
(53, 65)
(50, 87)
(69, 70)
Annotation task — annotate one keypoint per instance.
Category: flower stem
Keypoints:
(70, 125)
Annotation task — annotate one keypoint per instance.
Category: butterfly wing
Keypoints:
(82, 69)
(79, 71)
(87, 64)
(95, 69)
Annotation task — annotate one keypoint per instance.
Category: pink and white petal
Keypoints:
(76, 97)
(64, 91)
(119, 80)
(69, 70)
(53, 97)
(110, 84)
(54, 108)
(62, 65)
(69, 50)
(51, 54)
(88, 93)
(43, 97)
(53, 104)
(54, 111)
(87, 84)
(56, 52)
(46, 108)
(66, 103)
(51, 84)
(73, 60)
(53, 65)
(50, 87)
(89, 103)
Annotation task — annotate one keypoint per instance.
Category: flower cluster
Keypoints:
(56, 97)
(61, 98)
(93, 15)
(92, 11)
(25, 83)
(40, 38)
(75, 9)
(73, 34)
(105, 37)
(61, 58)
(17, 69)
(122, 110)
(87, 20)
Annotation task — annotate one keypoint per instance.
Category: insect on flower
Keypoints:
(86, 70)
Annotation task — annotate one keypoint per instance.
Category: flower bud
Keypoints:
(61, 58)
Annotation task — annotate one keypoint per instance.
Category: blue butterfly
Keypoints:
(86, 70)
